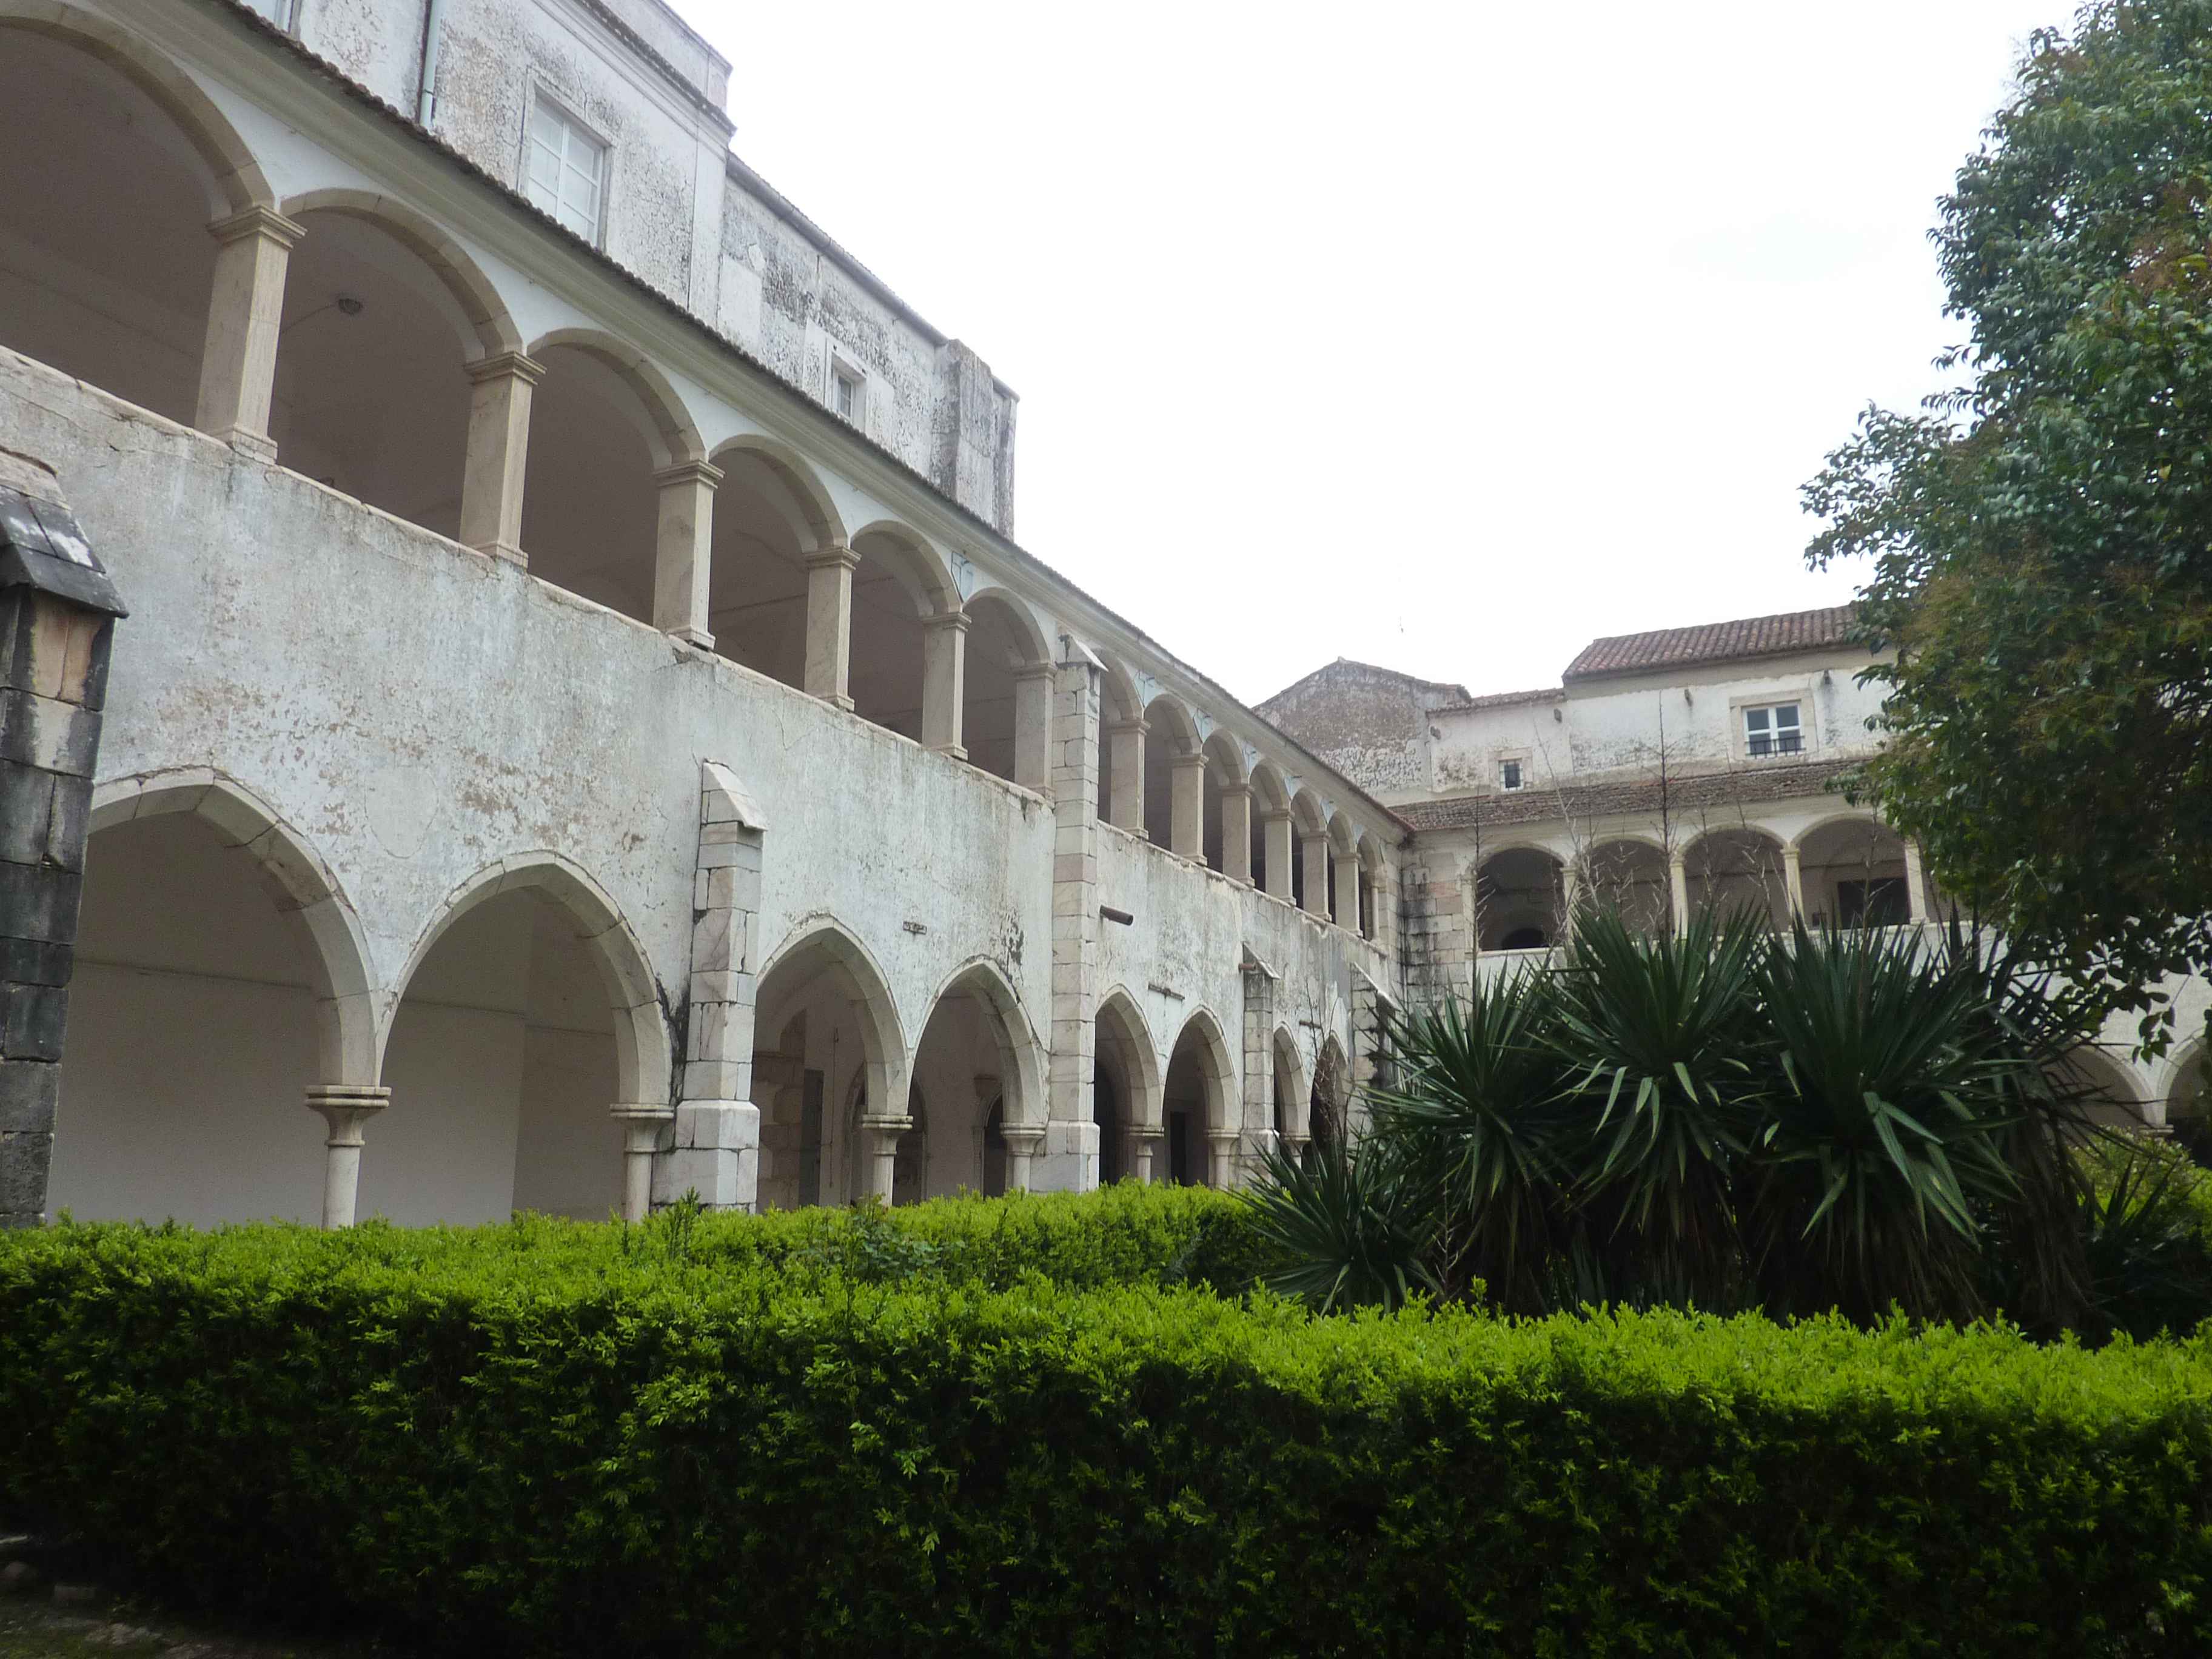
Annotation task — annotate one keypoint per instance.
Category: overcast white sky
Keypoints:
(1444, 337)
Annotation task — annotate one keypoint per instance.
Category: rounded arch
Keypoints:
(1519, 897)
(1370, 851)
(239, 180)
(674, 436)
(1829, 822)
(1021, 1079)
(813, 515)
(1201, 1104)
(1292, 1091)
(1225, 758)
(643, 1058)
(1269, 793)
(1172, 727)
(1218, 1070)
(346, 1038)
(1119, 698)
(2105, 1086)
(1740, 868)
(913, 561)
(1307, 813)
(824, 945)
(2187, 1090)
(1023, 639)
(460, 274)
(1122, 1022)
(1343, 835)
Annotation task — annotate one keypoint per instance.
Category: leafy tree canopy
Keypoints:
(2041, 536)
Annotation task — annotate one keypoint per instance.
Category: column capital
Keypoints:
(1241, 790)
(830, 555)
(506, 366)
(262, 222)
(642, 1112)
(944, 619)
(1274, 814)
(344, 1105)
(685, 472)
(886, 1123)
(1023, 1139)
(1131, 727)
(1036, 671)
(1186, 762)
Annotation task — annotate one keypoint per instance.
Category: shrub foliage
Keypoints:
(832, 1437)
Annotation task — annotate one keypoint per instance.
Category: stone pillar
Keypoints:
(1915, 882)
(499, 453)
(1069, 1161)
(643, 1124)
(1258, 1105)
(1316, 850)
(1187, 806)
(1022, 1142)
(944, 682)
(1345, 867)
(345, 1107)
(1236, 832)
(1221, 1160)
(1125, 788)
(1276, 826)
(57, 612)
(238, 356)
(1792, 878)
(879, 1139)
(1144, 1139)
(1571, 897)
(684, 550)
(1678, 884)
(1033, 729)
(829, 623)
(715, 1146)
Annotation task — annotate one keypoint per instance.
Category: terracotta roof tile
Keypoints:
(1639, 796)
(1747, 636)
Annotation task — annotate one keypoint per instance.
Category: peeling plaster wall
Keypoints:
(1371, 723)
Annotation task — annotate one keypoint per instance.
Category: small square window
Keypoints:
(848, 390)
(1773, 729)
(1509, 774)
(564, 167)
(847, 395)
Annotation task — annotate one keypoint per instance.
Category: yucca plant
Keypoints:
(1881, 1149)
(1475, 1109)
(1348, 1225)
(1659, 1038)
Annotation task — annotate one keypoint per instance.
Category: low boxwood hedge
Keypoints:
(690, 1438)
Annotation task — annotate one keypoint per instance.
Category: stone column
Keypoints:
(1316, 850)
(499, 453)
(1033, 729)
(1144, 1139)
(1069, 1161)
(1345, 867)
(683, 551)
(238, 356)
(944, 682)
(879, 1139)
(1221, 1160)
(1915, 882)
(1258, 1104)
(345, 1107)
(642, 1125)
(829, 623)
(1276, 826)
(1187, 806)
(1125, 788)
(1022, 1142)
(1678, 884)
(1571, 897)
(57, 612)
(715, 1149)
(1236, 832)
(1793, 879)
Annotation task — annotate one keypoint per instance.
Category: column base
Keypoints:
(257, 445)
(698, 636)
(507, 550)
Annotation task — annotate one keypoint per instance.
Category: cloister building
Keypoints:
(521, 691)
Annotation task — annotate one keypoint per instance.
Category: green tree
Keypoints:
(2041, 536)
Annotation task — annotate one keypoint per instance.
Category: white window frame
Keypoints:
(1741, 710)
(1513, 757)
(551, 103)
(842, 367)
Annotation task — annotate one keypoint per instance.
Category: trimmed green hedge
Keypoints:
(550, 1438)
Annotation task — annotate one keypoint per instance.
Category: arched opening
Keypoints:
(826, 1042)
(1005, 725)
(529, 1015)
(2188, 1095)
(1293, 1102)
(976, 1057)
(1629, 879)
(106, 267)
(1310, 873)
(371, 394)
(895, 587)
(1224, 780)
(215, 980)
(1171, 739)
(1195, 1096)
(600, 429)
(769, 514)
(1271, 805)
(1738, 872)
(1852, 875)
(1520, 901)
(1330, 1108)
(1372, 894)
(1124, 1092)
(2102, 1085)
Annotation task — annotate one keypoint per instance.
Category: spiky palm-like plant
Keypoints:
(1660, 1039)
(1477, 1109)
(1351, 1225)
(1880, 1152)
